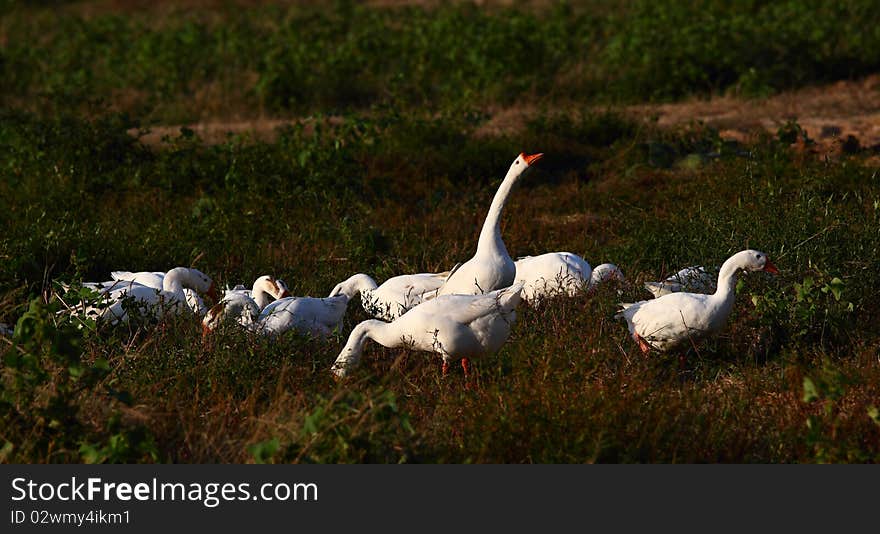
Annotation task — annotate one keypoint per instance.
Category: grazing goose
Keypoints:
(153, 279)
(669, 321)
(395, 296)
(265, 289)
(552, 274)
(171, 298)
(560, 273)
(308, 315)
(243, 306)
(235, 306)
(605, 273)
(694, 279)
(491, 267)
(457, 327)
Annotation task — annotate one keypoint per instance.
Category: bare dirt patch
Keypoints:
(216, 132)
(829, 115)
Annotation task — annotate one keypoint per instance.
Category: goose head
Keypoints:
(268, 284)
(281, 285)
(355, 284)
(193, 279)
(755, 260)
(524, 161)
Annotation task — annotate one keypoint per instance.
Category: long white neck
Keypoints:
(380, 332)
(261, 296)
(490, 236)
(359, 283)
(173, 283)
(727, 279)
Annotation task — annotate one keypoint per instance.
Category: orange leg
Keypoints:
(466, 365)
(445, 368)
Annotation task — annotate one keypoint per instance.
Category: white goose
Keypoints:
(605, 273)
(236, 307)
(491, 267)
(669, 321)
(552, 274)
(157, 302)
(695, 279)
(395, 296)
(560, 273)
(265, 289)
(457, 327)
(243, 306)
(310, 315)
(154, 280)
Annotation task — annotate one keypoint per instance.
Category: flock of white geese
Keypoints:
(460, 314)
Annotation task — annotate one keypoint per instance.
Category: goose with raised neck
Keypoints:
(491, 267)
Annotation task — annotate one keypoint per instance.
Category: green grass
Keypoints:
(569, 386)
(394, 175)
(304, 60)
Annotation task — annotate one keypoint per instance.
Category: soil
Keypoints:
(840, 116)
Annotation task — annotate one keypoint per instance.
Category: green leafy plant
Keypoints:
(44, 377)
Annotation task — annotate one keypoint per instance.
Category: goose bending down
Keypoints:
(491, 267)
(310, 315)
(171, 298)
(154, 280)
(560, 273)
(236, 306)
(457, 327)
(265, 289)
(694, 279)
(243, 306)
(671, 320)
(395, 296)
(605, 273)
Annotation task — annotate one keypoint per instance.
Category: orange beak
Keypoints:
(770, 268)
(530, 159)
(284, 294)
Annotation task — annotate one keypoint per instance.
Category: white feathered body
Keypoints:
(673, 320)
(552, 274)
(154, 280)
(481, 274)
(454, 326)
(395, 296)
(317, 316)
(668, 322)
